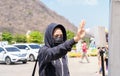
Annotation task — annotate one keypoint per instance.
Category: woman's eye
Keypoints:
(58, 35)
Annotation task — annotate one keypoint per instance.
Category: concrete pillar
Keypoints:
(114, 39)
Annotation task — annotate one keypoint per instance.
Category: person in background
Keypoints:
(84, 51)
(99, 61)
(106, 56)
(52, 57)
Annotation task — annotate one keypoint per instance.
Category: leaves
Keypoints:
(70, 34)
(7, 36)
(36, 37)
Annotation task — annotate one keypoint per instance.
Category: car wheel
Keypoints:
(31, 58)
(24, 62)
(8, 60)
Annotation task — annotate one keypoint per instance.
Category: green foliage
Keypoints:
(36, 37)
(87, 40)
(70, 34)
(7, 36)
(20, 38)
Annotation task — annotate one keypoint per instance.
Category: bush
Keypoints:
(36, 37)
(7, 36)
(20, 38)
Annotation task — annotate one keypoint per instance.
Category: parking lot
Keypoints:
(76, 68)
(17, 69)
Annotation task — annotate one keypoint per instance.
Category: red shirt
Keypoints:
(84, 47)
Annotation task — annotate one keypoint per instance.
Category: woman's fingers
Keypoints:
(82, 24)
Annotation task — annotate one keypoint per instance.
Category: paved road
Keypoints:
(83, 69)
(76, 68)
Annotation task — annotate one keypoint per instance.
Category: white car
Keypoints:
(11, 54)
(30, 48)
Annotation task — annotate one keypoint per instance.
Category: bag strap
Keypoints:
(33, 73)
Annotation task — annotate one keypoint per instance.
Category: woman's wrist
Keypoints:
(76, 39)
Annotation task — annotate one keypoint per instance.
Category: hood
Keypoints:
(48, 39)
(18, 54)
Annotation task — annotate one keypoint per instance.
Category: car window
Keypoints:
(12, 49)
(35, 46)
(21, 46)
(1, 49)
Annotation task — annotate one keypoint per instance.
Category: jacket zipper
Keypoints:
(61, 66)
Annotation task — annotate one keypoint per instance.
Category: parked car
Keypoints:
(31, 49)
(41, 45)
(11, 54)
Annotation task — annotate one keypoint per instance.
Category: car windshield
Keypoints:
(1, 49)
(12, 49)
(35, 46)
(21, 46)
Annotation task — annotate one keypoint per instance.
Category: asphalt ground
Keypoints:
(76, 68)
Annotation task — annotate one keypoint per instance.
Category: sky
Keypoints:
(94, 12)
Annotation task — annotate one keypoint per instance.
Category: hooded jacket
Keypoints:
(52, 59)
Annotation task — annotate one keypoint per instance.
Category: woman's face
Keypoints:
(57, 33)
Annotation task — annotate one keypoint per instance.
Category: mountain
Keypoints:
(19, 16)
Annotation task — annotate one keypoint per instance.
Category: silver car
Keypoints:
(11, 54)
(30, 48)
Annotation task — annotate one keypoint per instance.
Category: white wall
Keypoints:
(114, 39)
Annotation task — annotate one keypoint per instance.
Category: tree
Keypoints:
(20, 38)
(7, 36)
(36, 37)
(70, 34)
